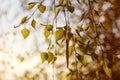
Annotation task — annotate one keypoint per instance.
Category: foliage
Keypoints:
(86, 46)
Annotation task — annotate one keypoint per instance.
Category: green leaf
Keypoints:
(46, 34)
(56, 13)
(25, 33)
(50, 57)
(59, 34)
(23, 20)
(41, 8)
(49, 27)
(107, 71)
(61, 2)
(33, 23)
(43, 56)
(31, 5)
(71, 8)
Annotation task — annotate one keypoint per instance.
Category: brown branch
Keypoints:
(67, 40)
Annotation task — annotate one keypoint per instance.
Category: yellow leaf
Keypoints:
(54, 59)
(61, 2)
(25, 33)
(98, 41)
(49, 27)
(23, 20)
(43, 56)
(69, 76)
(59, 34)
(46, 34)
(71, 49)
(79, 28)
(52, 46)
(84, 60)
(22, 59)
(41, 8)
(97, 73)
(107, 71)
(33, 23)
(31, 5)
(113, 1)
(80, 40)
(83, 1)
(50, 57)
(56, 13)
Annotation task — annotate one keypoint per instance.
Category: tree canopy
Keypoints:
(88, 37)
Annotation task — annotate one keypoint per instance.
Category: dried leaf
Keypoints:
(71, 8)
(78, 1)
(97, 12)
(82, 16)
(25, 33)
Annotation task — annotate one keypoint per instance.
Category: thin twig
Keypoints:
(27, 19)
(67, 41)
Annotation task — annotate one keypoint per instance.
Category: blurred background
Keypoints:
(19, 58)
